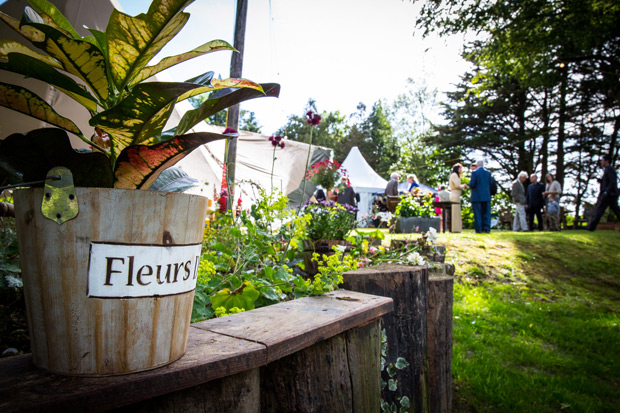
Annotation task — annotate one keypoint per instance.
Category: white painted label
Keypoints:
(141, 270)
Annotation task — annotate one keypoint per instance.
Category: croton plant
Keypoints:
(130, 146)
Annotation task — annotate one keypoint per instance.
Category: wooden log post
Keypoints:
(405, 328)
(439, 343)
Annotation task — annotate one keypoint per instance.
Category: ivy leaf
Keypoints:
(243, 297)
(401, 363)
(34, 154)
(392, 384)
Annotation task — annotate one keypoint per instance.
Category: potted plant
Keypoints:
(328, 224)
(325, 173)
(415, 214)
(109, 278)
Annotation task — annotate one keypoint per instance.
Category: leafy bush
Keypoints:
(410, 206)
(329, 220)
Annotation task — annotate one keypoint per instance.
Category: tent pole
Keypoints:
(232, 121)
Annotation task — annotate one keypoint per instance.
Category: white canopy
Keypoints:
(364, 179)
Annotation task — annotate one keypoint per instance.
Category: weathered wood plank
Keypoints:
(439, 339)
(405, 328)
(301, 323)
(364, 356)
(209, 356)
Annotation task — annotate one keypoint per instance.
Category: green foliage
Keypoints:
(249, 262)
(329, 220)
(388, 372)
(414, 206)
(126, 112)
(247, 118)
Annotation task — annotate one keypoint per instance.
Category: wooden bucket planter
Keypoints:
(323, 247)
(110, 291)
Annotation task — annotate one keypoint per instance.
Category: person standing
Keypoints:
(553, 212)
(413, 183)
(535, 202)
(392, 186)
(519, 199)
(346, 193)
(480, 185)
(552, 187)
(456, 223)
(608, 194)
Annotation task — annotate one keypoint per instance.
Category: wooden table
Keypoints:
(444, 206)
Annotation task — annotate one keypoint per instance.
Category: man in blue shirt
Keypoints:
(480, 185)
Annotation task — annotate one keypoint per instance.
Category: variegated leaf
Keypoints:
(30, 67)
(139, 166)
(28, 32)
(210, 47)
(145, 111)
(221, 100)
(10, 46)
(24, 101)
(78, 57)
(134, 41)
(48, 10)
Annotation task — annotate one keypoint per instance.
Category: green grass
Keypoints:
(536, 321)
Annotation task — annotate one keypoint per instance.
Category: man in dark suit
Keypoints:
(535, 202)
(608, 194)
(480, 185)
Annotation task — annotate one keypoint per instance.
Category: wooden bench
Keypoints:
(311, 354)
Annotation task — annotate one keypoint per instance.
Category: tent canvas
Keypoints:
(364, 180)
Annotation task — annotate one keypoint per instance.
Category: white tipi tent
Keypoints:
(364, 179)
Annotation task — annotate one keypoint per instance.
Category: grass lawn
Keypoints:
(536, 321)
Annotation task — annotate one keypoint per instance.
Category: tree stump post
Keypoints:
(439, 343)
(405, 328)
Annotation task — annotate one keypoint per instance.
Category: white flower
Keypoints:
(432, 235)
(340, 248)
(416, 259)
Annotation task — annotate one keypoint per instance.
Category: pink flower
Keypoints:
(316, 120)
(281, 145)
(417, 229)
(230, 131)
(372, 250)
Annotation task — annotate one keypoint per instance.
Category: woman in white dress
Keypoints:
(455, 196)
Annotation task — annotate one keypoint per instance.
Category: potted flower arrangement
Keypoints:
(328, 224)
(325, 173)
(109, 272)
(415, 214)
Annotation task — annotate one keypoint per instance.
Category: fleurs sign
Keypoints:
(141, 270)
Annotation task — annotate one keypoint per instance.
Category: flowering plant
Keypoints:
(324, 173)
(329, 220)
(410, 206)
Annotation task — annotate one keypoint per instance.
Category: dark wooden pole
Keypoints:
(232, 121)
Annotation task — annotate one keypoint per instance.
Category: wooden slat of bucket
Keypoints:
(104, 336)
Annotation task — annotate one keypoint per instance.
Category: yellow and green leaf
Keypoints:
(134, 41)
(24, 101)
(48, 11)
(78, 57)
(28, 32)
(33, 68)
(10, 46)
(242, 297)
(210, 47)
(221, 100)
(143, 114)
(138, 166)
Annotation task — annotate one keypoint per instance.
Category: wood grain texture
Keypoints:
(439, 339)
(211, 356)
(77, 335)
(405, 328)
(301, 323)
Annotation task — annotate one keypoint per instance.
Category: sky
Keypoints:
(337, 52)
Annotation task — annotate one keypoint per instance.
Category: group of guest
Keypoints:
(530, 203)
(344, 195)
